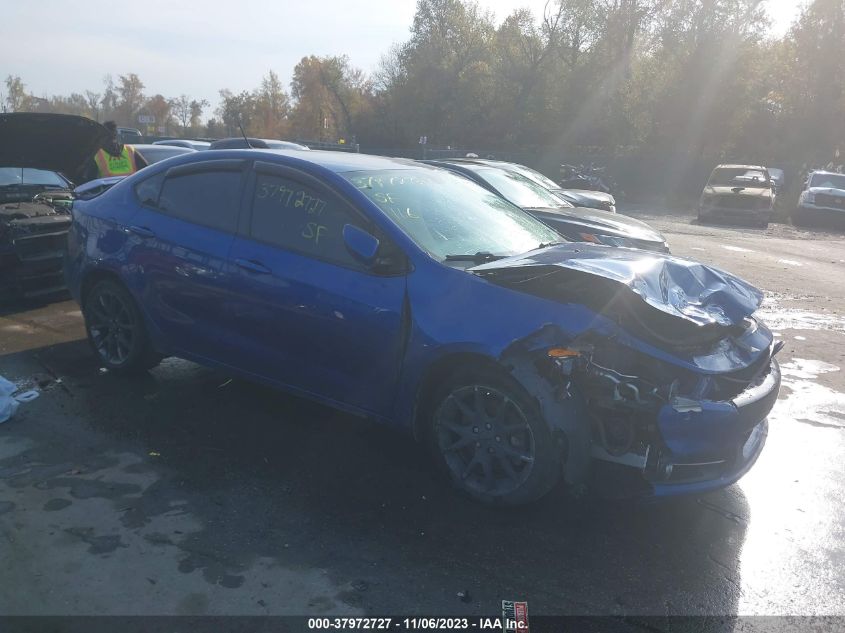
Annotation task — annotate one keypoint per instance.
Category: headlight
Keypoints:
(808, 197)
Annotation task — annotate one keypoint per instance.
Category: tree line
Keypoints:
(665, 85)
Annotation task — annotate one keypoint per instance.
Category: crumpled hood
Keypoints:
(682, 288)
(602, 222)
(57, 142)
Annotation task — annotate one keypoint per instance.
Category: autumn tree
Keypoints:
(330, 96)
(130, 98)
(17, 100)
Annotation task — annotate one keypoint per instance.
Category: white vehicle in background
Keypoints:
(823, 198)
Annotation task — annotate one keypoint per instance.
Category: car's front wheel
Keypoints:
(488, 436)
(116, 329)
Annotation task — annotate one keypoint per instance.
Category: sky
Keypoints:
(197, 48)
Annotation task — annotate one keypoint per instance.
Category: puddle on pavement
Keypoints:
(792, 494)
(807, 401)
(778, 317)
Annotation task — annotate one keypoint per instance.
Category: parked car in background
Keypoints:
(742, 193)
(238, 142)
(35, 151)
(823, 198)
(575, 197)
(154, 153)
(184, 142)
(412, 296)
(589, 178)
(573, 223)
(778, 177)
(129, 135)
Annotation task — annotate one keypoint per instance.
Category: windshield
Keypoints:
(536, 176)
(447, 214)
(739, 176)
(832, 181)
(13, 175)
(520, 190)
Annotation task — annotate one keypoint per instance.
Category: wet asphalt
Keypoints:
(188, 492)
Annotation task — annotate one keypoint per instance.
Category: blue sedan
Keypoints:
(411, 295)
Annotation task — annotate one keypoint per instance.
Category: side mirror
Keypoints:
(361, 245)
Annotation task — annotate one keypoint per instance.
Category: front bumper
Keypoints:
(714, 447)
(811, 211)
(31, 259)
(701, 446)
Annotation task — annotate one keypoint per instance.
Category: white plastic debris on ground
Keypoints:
(8, 402)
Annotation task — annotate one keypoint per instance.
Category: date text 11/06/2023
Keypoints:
(418, 624)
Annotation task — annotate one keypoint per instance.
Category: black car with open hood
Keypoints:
(40, 154)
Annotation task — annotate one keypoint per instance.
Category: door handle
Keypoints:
(253, 266)
(142, 231)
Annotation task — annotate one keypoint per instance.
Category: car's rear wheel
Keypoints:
(488, 436)
(116, 329)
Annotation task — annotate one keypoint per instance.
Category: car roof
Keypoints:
(826, 172)
(170, 141)
(176, 148)
(469, 164)
(338, 162)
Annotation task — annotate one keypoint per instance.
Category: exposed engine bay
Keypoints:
(671, 352)
(33, 235)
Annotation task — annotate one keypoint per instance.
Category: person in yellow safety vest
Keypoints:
(123, 164)
(113, 158)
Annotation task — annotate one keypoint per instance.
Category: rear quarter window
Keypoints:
(209, 198)
(147, 191)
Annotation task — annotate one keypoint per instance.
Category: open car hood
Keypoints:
(56, 142)
(699, 295)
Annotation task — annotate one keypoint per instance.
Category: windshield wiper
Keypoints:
(480, 257)
(547, 244)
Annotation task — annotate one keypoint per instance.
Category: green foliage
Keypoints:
(670, 86)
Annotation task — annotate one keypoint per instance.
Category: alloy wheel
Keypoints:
(485, 439)
(112, 327)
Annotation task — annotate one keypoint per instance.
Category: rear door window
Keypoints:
(300, 217)
(147, 190)
(210, 197)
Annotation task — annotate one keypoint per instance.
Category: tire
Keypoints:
(487, 435)
(116, 330)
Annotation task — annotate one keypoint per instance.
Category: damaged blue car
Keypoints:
(411, 295)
